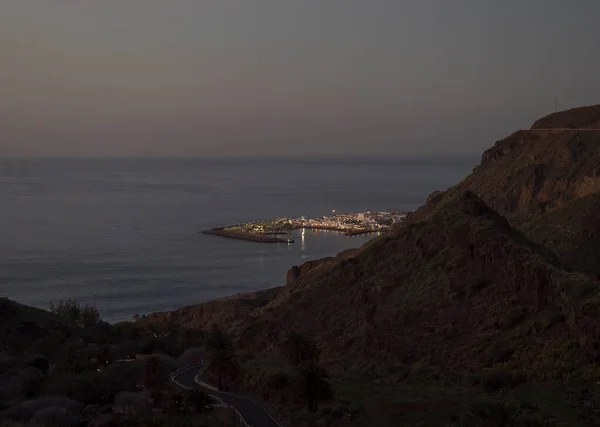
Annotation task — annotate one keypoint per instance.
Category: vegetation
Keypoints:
(72, 312)
(67, 366)
(297, 349)
(223, 361)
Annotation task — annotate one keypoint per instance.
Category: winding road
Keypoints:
(253, 414)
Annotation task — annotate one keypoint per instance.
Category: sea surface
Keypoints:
(123, 234)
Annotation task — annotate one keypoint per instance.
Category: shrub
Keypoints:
(133, 402)
(26, 410)
(498, 377)
(499, 414)
(499, 352)
(39, 362)
(26, 383)
(54, 416)
(69, 310)
(72, 312)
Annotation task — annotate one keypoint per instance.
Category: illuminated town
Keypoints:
(348, 223)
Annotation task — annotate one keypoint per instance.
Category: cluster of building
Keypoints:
(352, 221)
(346, 222)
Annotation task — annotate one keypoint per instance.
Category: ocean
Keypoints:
(124, 234)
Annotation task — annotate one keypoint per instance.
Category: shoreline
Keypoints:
(251, 237)
(343, 230)
(272, 237)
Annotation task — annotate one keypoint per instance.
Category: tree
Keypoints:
(314, 384)
(155, 379)
(188, 338)
(218, 341)
(296, 349)
(198, 400)
(89, 316)
(69, 310)
(303, 354)
(172, 401)
(223, 361)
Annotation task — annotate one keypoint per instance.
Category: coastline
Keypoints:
(271, 237)
(342, 230)
(251, 237)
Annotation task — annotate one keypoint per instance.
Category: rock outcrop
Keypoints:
(296, 272)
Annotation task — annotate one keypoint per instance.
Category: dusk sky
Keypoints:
(278, 77)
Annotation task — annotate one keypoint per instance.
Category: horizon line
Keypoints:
(235, 157)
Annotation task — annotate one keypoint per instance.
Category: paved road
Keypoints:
(253, 414)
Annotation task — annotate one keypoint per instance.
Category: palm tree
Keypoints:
(155, 379)
(315, 387)
(223, 361)
(296, 349)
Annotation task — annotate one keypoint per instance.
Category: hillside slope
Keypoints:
(22, 326)
(546, 183)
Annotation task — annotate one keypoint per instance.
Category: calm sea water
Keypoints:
(123, 234)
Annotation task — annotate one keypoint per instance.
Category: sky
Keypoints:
(287, 77)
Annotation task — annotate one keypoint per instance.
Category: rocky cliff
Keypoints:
(546, 183)
(296, 272)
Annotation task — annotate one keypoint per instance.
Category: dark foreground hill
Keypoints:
(22, 326)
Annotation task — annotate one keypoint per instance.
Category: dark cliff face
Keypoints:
(296, 272)
(546, 183)
(532, 172)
